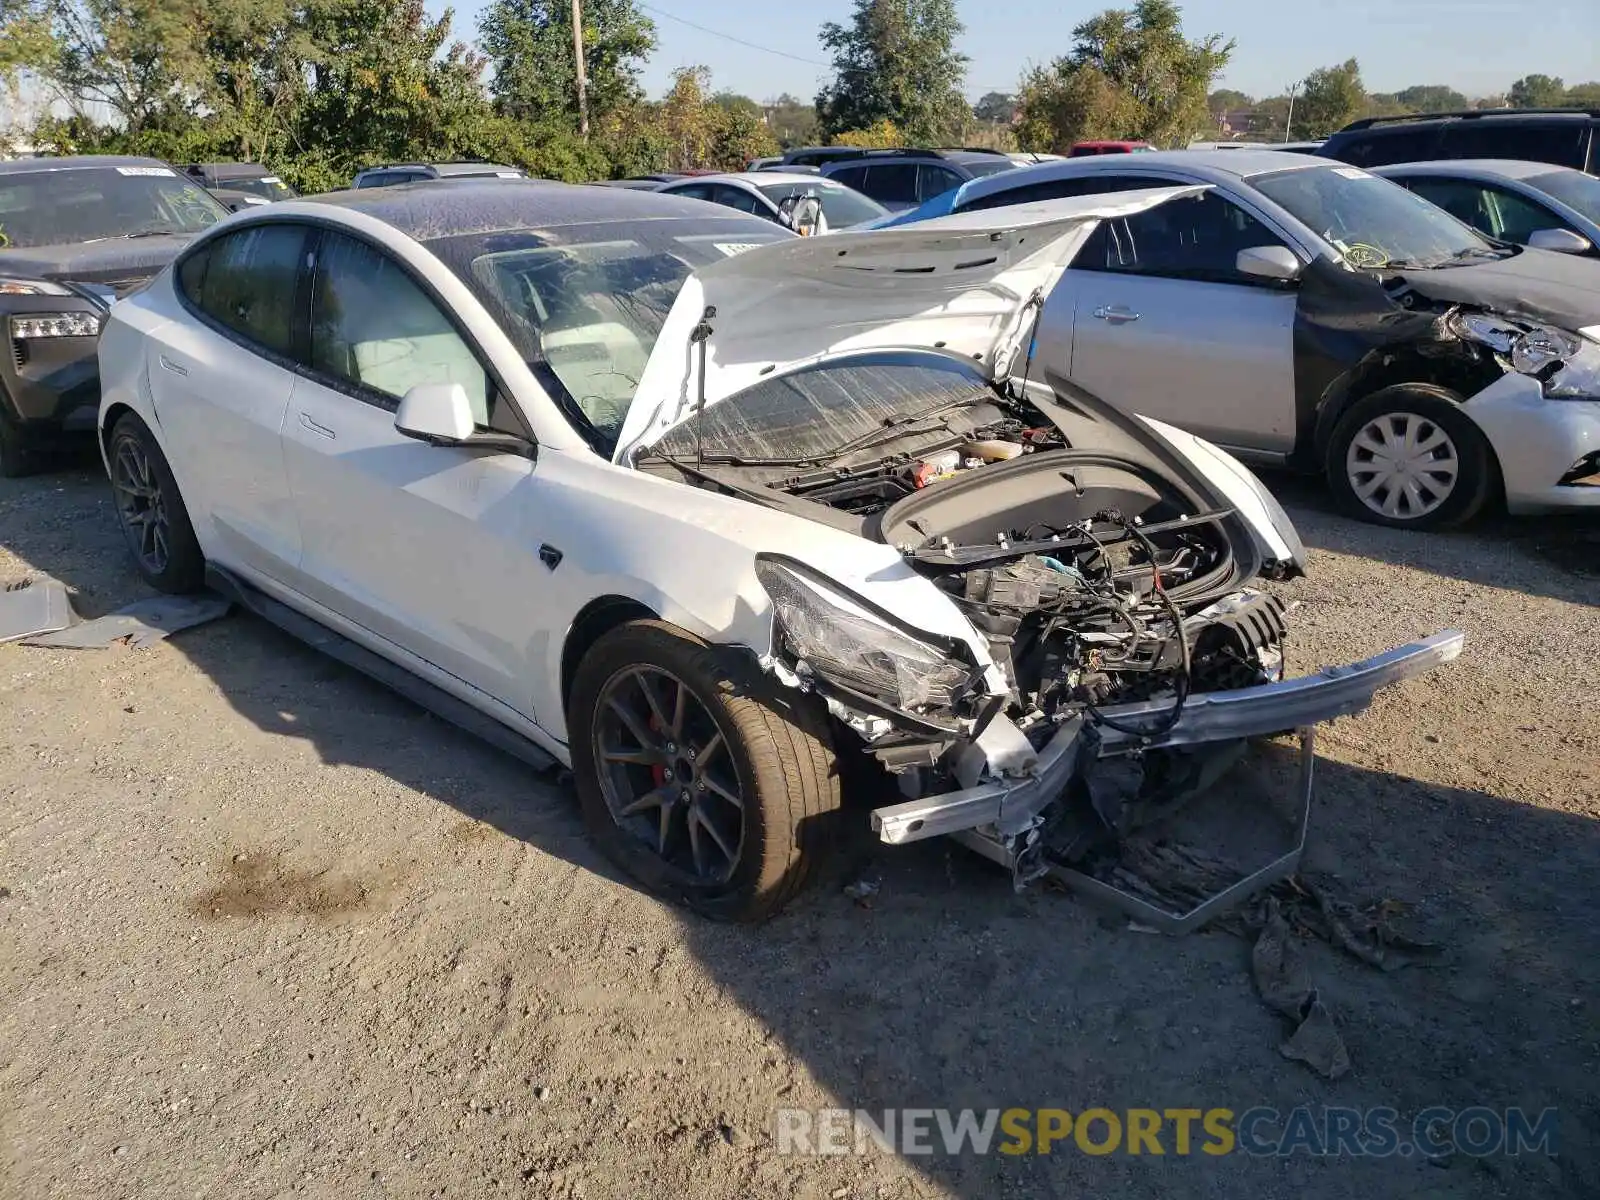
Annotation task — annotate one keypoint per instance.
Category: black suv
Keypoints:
(1568, 137)
(903, 179)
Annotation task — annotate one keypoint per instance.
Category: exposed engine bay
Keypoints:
(1096, 578)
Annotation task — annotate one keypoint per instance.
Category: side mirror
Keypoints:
(1562, 241)
(1268, 262)
(437, 413)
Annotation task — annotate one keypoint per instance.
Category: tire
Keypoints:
(15, 459)
(775, 749)
(1450, 481)
(151, 511)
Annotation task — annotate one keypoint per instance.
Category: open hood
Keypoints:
(967, 284)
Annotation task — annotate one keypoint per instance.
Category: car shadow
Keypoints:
(1495, 551)
(948, 990)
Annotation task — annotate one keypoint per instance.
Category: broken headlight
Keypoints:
(1579, 376)
(838, 637)
(1531, 349)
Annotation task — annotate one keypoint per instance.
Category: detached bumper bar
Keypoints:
(1011, 805)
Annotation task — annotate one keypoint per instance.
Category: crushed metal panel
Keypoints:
(142, 624)
(32, 607)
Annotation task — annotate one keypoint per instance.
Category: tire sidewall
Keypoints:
(656, 644)
(1478, 476)
(185, 569)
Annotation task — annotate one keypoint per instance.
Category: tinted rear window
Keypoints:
(1562, 142)
(1379, 148)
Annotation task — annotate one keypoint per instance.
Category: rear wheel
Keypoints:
(151, 511)
(1408, 457)
(696, 776)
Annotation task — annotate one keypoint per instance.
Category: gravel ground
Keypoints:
(269, 929)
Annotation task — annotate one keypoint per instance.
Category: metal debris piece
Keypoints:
(31, 607)
(141, 624)
(863, 889)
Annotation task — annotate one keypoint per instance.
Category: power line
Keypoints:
(661, 12)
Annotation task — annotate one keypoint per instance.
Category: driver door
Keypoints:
(1160, 322)
(430, 548)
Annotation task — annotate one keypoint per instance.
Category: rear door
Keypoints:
(1164, 325)
(221, 376)
(421, 545)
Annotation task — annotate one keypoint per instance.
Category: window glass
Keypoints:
(892, 183)
(1559, 141)
(695, 191)
(1572, 188)
(52, 207)
(1055, 189)
(842, 206)
(936, 181)
(1490, 210)
(1381, 149)
(732, 197)
(246, 281)
(850, 176)
(1195, 238)
(373, 327)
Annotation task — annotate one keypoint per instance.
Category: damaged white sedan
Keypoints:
(712, 514)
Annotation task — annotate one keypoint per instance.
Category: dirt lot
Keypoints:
(270, 930)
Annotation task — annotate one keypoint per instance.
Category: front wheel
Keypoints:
(697, 776)
(151, 511)
(1409, 458)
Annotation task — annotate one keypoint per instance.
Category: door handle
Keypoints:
(319, 430)
(1117, 314)
(168, 365)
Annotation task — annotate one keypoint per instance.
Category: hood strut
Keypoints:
(701, 336)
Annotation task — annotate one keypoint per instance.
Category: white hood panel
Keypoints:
(962, 283)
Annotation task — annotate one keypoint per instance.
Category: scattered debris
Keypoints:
(141, 624)
(31, 607)
(863, 889)
(1285, 985)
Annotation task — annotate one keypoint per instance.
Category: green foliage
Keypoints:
(792, 121)
(880, 135)
(1131, 74)
(895, 61)
(1332, 98)
(1429, 97)
(1584, 95)
(529, 45)
(26, 41)
(995, 108)
(1538, 91)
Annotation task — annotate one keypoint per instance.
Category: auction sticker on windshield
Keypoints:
(145, 171)
(1353, 173)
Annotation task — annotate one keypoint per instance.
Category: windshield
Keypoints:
(584, 304)
(1372, 222)
(1572, 188)
(90, 204)
(269, 187)
(840, 205)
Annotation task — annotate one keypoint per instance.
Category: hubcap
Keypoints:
(141, 505)
(667, 775)
(1402, 466)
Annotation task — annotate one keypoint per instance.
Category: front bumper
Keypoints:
(1011, 805)
(48, 386)
(1538, 442)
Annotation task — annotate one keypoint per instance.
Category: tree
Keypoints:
(792, 121)
(995, 108)
(896, 61)
(1226, 100)
(529, 45)
(1538, 91)
(1330, 100)
(25, 38)
(1583, 95)
(135, 57)
(881, 135)
(1429, 97)
(1060, 107)
(734, 102)
(1142, 79)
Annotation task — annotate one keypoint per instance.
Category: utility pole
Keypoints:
(1288, 129)
(583, 80)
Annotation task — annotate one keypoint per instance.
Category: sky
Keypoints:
(1475, 46)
